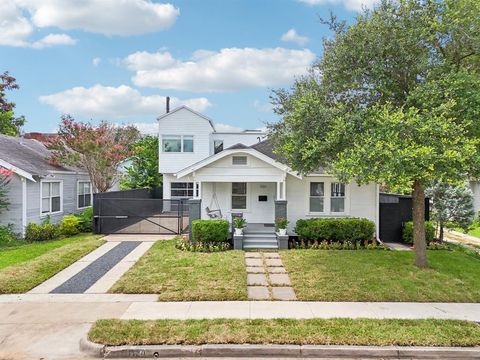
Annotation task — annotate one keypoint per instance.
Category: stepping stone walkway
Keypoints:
(267, 279)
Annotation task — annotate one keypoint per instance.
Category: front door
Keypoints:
(262, 202)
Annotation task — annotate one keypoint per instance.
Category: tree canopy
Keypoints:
(394, 99)
(9, 124)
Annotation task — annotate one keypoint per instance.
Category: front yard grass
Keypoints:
(182, 276)
(24, 267)
(361, 275)
(284, 331)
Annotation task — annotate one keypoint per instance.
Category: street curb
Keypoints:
(275, 351)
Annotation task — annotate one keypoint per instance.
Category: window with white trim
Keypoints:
(84, 194)
(51, 197)
(317, 196)
(181, 190)
(239, 160)
(217, 146)
(239, 196)
(177, 143)
(337, 198)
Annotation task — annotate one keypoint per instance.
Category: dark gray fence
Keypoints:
(139, 211)
(395, 211)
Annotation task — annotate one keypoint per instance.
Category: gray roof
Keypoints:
(28, 155)
(266, 148)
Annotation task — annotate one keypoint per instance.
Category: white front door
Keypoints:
(262, 203)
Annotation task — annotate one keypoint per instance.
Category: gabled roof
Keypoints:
(189, 109)
(266, 148)
(29, 156)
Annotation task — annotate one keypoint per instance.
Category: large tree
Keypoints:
(98, 149)
(394, 99)
(9, 124)
(143, 169)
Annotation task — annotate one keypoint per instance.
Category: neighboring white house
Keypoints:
(475, 186)
(240, 173)
(39, 189)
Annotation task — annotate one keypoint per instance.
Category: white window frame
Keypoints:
(78, 194)
(310, 196)
(344, 197)
(166, 137)
(240, 156)
(172, 187)
(327, 198)
(247, 202)
(44, 214)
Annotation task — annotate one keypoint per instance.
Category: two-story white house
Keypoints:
(240, 173)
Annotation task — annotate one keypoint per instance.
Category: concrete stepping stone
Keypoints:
(253, 262)
(271, 255)
(257, 279)
(279, 279)
(255, 270)
(254, 255)
(273, 262)
(258, 293)
(277, 270)
(283, 293)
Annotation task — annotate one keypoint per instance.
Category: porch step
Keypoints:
(260, 236)
(260, 243)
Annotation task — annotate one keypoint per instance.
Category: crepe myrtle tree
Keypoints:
(9, 124)
(393, 99)
(5, 178)
(451, 204)
(98, 149)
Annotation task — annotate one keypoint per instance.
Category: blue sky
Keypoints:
(117, 59)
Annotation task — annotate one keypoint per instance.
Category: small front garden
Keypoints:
(178, 275)
(284, 331)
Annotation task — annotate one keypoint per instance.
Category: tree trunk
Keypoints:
(440, 236)
(418, 200)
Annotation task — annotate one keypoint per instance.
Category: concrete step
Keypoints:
(260, 246)
(262, 240)
(259, 236)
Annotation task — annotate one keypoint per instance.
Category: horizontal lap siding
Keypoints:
(14, 213)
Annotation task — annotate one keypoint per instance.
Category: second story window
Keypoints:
(177, 143)
(217, 146)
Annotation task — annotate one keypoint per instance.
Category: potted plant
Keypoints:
(281, 224)
(239, 223)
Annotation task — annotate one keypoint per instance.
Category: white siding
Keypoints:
(184, 122)
(14, 213)
(230, 139)
(475, 186)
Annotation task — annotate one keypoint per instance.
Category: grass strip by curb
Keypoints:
(372, 332)
(26, 275)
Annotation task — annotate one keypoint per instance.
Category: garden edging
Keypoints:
(250, 350)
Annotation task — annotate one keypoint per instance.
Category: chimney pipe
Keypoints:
(168, 104)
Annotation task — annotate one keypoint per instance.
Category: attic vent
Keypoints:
(239, 160)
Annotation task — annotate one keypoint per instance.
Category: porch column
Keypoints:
(194, 213)
(281, 190)
(197, 189)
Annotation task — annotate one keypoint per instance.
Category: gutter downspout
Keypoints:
(24, 205)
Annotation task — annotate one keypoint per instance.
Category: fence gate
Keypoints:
(140, 216)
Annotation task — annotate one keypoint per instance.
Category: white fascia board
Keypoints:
(17, 170)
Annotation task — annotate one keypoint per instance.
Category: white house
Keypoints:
(239, 173)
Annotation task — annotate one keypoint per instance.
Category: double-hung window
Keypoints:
(317, 195)
(177, 143)
(51, 197)
(239, 196)
(181, 190)
(337, 198)
(84, 194)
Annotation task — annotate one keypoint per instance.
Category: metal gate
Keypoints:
(140, 216)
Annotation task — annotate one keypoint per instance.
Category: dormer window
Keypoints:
(239, 160)
(177, 143)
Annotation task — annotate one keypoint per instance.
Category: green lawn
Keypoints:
(382, 276)
(26, 266)
(181, 275)
(282, 331)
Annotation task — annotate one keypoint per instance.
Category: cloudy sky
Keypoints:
(117, 60)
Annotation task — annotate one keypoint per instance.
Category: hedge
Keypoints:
(407, 234)
(210, 230)
(345, 229)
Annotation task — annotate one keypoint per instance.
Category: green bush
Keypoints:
(333, 230)
(337, 245)
(70, 225)
(7, 235)
(46, 231)
(85, 220)
(408, 232)
(206, 231)
(186, 245)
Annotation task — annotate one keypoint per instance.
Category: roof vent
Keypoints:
(239, 160)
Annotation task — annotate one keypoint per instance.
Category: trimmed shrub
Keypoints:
(46, 231)
(407, 234)
(69, 225)
(86, 220)
(206, 231)
(335, 230)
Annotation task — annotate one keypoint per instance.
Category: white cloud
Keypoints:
(52, 40)
(115, 102)
(96, 61)
(292, 36)
(262, 107)
(19, 18)
(146, 128)
(349, 4)
(224, 70)
(227, 128)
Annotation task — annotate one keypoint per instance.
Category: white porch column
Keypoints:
(24, 205)
(284, 190)
(281, 190)
(197, 189)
